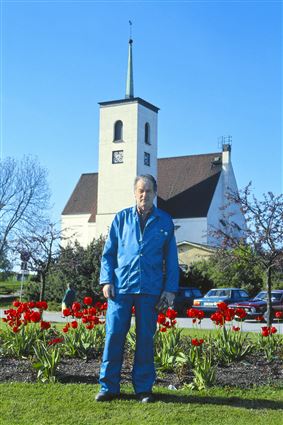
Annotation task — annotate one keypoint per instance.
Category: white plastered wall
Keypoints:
(191, 229)
(227, 182)
(76, 227)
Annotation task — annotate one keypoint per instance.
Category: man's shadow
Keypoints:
(256, 404)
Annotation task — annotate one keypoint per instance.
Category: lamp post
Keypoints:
(25, 256)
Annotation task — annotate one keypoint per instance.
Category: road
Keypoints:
(247, 326)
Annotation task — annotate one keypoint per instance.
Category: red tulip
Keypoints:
(67, 312)
(191, 312)
(161, 319)
(240, 313)
(74, 324)
(55, 341)
(76, 306)
(171, 314)
(35, 316)
(197, 342)
(88, 300)
(44, 325)
(222, 306)
(235, 328)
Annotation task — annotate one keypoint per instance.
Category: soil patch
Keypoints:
(254, 370)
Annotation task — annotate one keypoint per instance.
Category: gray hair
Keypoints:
(146, 177)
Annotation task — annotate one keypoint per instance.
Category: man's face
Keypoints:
(144, 195)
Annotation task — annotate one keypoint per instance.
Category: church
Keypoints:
(191, 188)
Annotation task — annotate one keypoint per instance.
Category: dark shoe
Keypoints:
(105, 396)
(145, 397)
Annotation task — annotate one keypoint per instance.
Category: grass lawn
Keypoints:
(9, 286)
(73, 404)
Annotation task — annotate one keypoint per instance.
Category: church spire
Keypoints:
(130, 78)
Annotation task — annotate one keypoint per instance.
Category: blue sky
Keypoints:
(212, 67)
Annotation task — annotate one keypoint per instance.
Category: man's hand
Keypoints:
(166, 301)
(108, 290)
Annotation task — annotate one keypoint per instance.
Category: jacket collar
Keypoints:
(154, 213)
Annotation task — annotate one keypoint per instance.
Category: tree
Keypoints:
(24, 198)
(79, 266)
(41, 249)
(263, 233)
(234, 268)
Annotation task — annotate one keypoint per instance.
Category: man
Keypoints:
(69, 297)
(139, 268)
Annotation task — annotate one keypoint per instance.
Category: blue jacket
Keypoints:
(141, 263)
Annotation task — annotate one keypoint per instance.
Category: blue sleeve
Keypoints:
(171, 264)
(109, 256)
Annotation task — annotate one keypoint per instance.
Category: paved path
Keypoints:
(247, 326)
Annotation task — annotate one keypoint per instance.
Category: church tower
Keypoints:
(127, 147)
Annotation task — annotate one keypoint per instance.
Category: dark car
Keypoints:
(257, 306)
(209, 302)
(184, 299)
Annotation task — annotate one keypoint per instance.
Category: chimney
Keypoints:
(226, 149)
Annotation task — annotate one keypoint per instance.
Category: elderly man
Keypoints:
(139, 268)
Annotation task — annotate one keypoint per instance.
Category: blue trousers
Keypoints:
(118, 322)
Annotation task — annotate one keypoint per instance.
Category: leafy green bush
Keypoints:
(77, 265)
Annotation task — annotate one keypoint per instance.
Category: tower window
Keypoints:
(146, 158)
(118, 131)
(147, 133)
(117, 157)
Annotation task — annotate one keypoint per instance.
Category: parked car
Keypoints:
(257, 306)
(209, 302)
(184, 299)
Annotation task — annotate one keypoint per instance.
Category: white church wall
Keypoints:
(146, 115)
(115, 180)
(227, 182)
(191, 229)
(77, 227)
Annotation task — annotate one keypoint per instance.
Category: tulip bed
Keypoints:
(49, 354)
(218, 376)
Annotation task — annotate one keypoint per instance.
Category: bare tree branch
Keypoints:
(24, 198)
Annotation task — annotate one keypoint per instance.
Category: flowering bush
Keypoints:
(268, 342)
(201, 360)
(195, 314)
(47, 359)
(225, 314)
(167, 342)
(83, 335)
(230, 344)
(24, 327)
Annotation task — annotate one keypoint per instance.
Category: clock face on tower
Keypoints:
(117, 157)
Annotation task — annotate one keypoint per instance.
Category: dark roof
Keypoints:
(131, 100)
(84, 197)
(186, 185)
